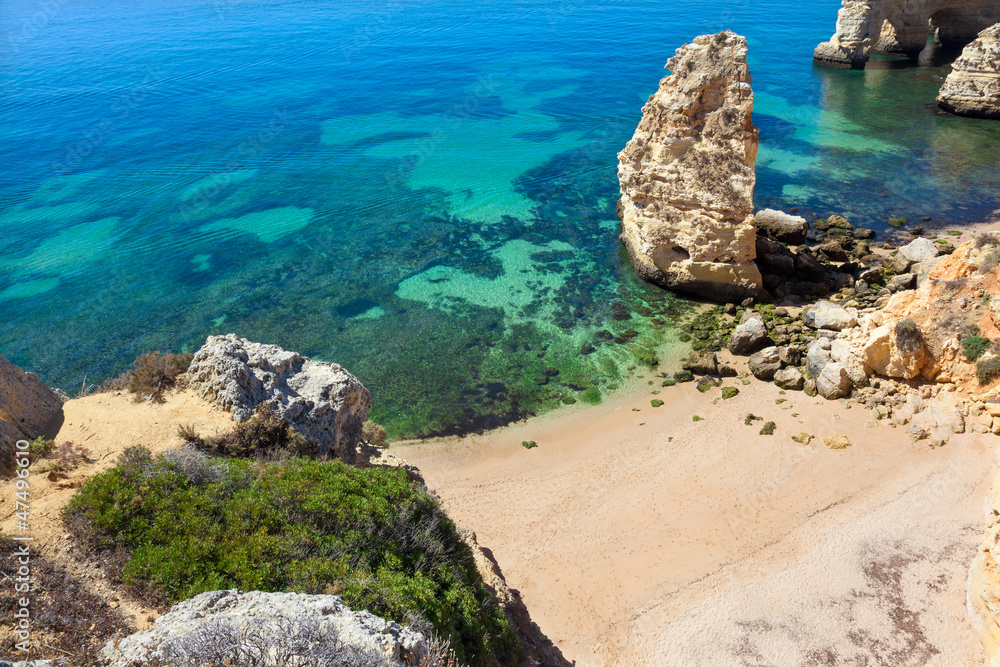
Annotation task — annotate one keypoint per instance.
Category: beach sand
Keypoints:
(647, 538)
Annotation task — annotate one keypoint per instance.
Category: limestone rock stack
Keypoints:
(687, 175)
(901, 27)
(973, 87)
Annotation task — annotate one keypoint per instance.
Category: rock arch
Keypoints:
(900, 27)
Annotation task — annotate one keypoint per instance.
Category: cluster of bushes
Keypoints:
(151, 374)
(172, 526)
(263, 435)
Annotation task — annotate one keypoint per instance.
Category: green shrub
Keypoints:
(529, 444)
(768, 428)
(988, 370)
(301, 525)
(974, 347)
(40, 447)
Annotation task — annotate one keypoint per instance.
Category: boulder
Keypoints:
(942, 416)
(817, 357)
(749, 335)
(765, 364)
(833, 382)
(687, 175)
(903, 281)
(918, 250)
(842, 352)
(27, 406)
(832, 222)
(214, 627)
(789, 378)
(790, 355)
(782, 226)
(883, 354)
(702, 362)
(828, 315)
(321, 400)
(973, 86)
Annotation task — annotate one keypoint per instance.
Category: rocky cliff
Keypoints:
(900, 27)
(973, 87)
(687, 175)
(26, 407)
(322, 401)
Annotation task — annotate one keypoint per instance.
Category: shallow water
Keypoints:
(421, 191)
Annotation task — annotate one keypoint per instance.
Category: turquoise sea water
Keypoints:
(423, 191)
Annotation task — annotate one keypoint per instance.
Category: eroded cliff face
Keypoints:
(901, 26)
(687, 175)
(973, 87)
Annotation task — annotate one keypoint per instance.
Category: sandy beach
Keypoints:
(636, 535)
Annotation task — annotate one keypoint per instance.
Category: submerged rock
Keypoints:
(218, 626)
(973, 87)
(321, 400)
(687, 175)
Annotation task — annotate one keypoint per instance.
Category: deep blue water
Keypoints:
(421, 191)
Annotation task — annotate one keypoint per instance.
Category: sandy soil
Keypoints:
(105, 425)
(637, 536)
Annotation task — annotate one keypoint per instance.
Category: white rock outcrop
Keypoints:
(973, 87)
(208, 628)
(321, 400)
(687, 175)
(900, 27)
